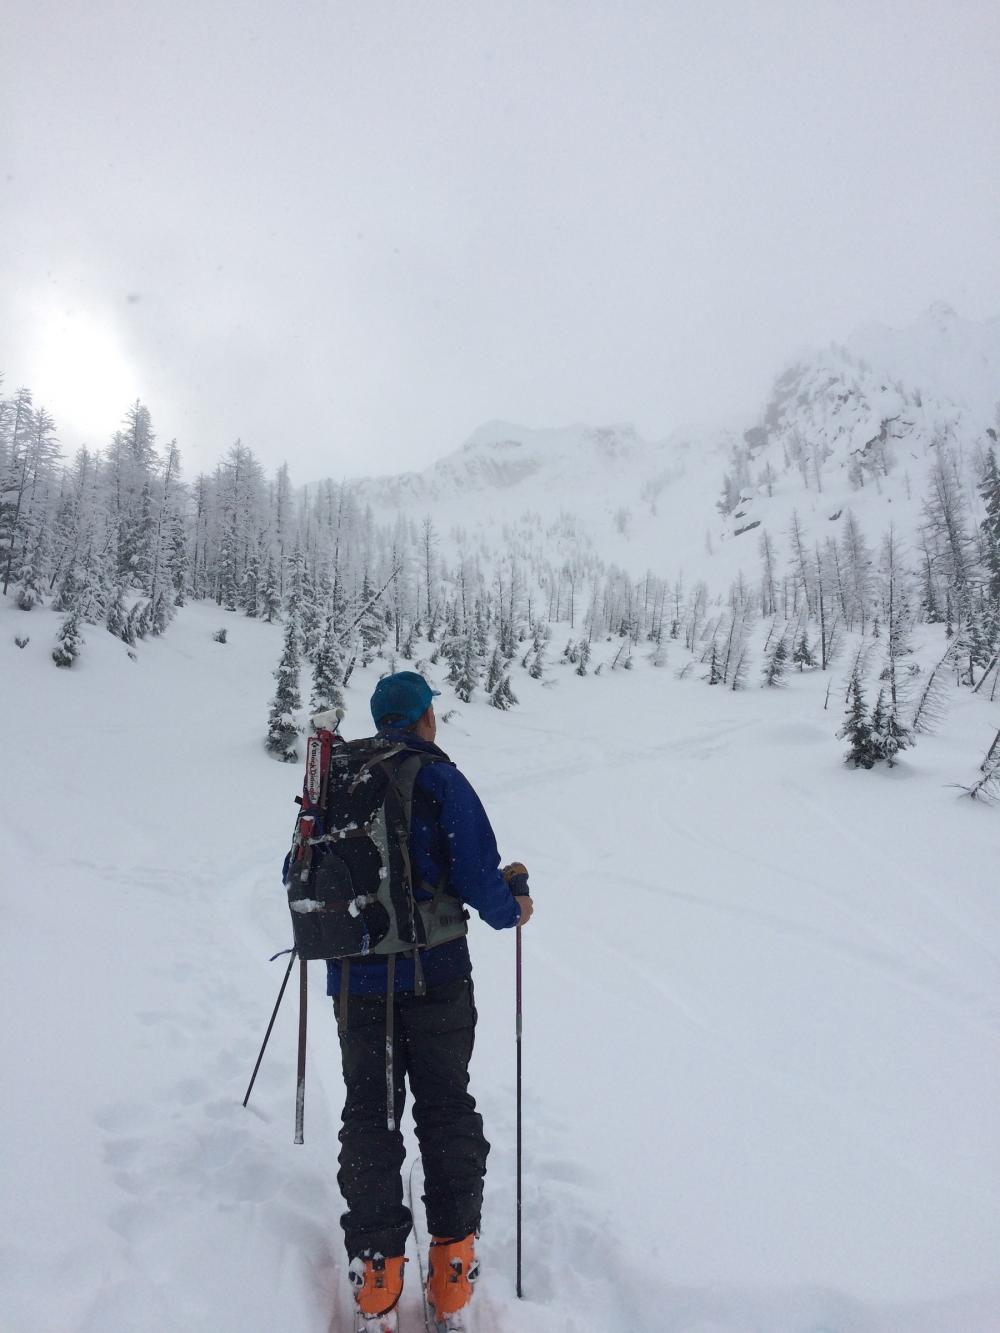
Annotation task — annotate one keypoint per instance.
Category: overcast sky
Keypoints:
(349, 233)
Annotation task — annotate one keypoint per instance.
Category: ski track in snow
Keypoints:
(762, 1014)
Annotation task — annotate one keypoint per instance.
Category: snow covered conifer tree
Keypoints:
(294, 576)
(371, 626)
(93, 593)
(130, 462)
(480, 631)
(30, 592)
(494, 671)
(117, 619)
(140, 620)
(878, 727)
(468, 669)
(714, 670)
(503, 696)
(536, 666)
(802, 654)
(65, 530)
(18, 419)
(69, 588)
(856, 563)
(69, 641)
(328, 671)
(989, 489)
(896, 612)
(161, 612)
(946, 531)
(775, 667)
(269, 592)
(857, 730)
(739, 668)
(802, 564)
(177, 558)
(250, 590)
(768, 595)
(282, 729)
(16, 483)
(228, 587)
(310, 618)
(888, 735)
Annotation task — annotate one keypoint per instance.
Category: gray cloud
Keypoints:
(348, 234)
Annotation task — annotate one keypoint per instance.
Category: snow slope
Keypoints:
(762, 1008)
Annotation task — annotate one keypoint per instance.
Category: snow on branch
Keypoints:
(987, 786)
(929, 711)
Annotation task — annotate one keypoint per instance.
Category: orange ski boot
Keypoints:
(452, 1268)
(378, 1285)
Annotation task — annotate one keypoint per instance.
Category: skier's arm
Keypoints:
(471, 846)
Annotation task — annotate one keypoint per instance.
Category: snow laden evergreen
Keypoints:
(118, 620)
(69, 641)
(97, 534)
(989, 490)
(31, 589)
(775, 668)
(857, 728)
(328, 670)
(283, 729)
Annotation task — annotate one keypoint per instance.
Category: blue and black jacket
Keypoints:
(450, 835)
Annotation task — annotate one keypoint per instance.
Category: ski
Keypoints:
(384, 1323)
(375, 1281)
(419, 1243)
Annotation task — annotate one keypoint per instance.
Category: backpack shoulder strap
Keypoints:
(406, 772)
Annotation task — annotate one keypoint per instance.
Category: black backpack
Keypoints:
(349, 877)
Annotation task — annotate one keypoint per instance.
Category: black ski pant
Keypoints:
(432, 1043)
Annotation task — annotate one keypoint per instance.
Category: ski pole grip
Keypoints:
(516, 876)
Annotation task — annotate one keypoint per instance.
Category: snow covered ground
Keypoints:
(762, 1008)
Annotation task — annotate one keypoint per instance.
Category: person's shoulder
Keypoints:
(441, 774)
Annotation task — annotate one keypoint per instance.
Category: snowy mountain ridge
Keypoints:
(857, 426)
(502, 456)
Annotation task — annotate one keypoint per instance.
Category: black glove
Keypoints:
(516, 875)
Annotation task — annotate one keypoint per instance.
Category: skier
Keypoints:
(429, 1037)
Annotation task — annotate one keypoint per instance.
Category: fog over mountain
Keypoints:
(851, 425)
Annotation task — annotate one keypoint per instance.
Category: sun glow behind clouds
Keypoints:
(76, 368)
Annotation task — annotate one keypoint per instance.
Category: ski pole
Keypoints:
(300, 1085)
(518, 1025)
(516, 875)
(267, 1034)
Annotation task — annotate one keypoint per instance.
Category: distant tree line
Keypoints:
(117, 537)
